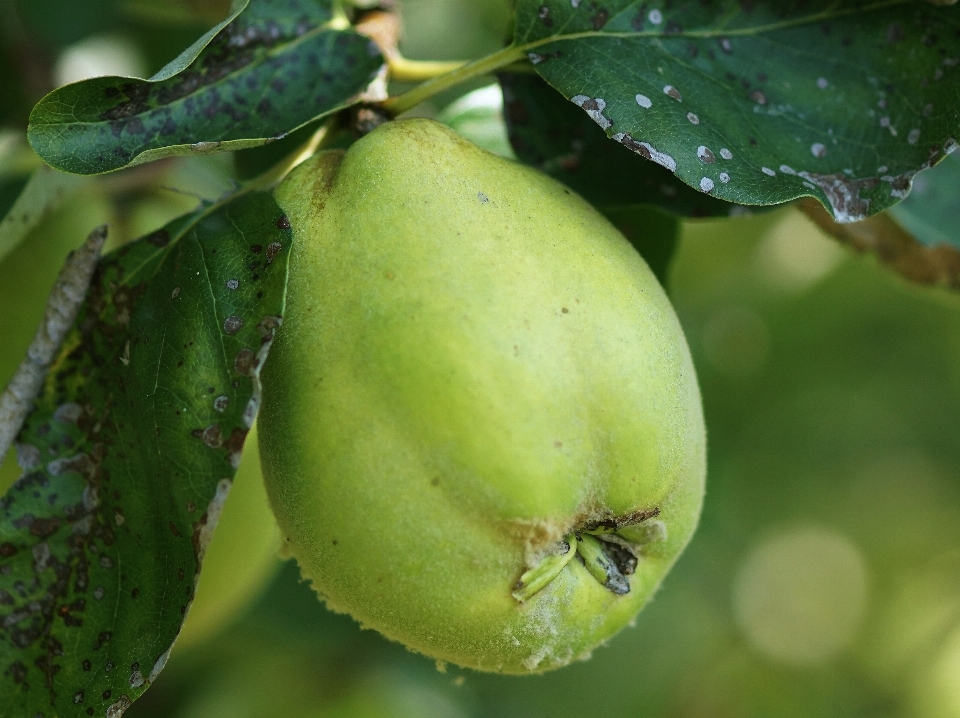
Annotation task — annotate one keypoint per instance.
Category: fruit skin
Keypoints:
(473, 364)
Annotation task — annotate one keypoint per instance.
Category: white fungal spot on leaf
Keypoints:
(645, 149)
(818, 149)
(594, 108)
(672, 92)
(706, 184)
(214, 508)
(822, 83)
(787, 170)
(914, 136)
(704, 154)
(158, 666)
(655, 16)
(119, 707)
(842, 194)
(726, 154)
(724, 177)
(767, 171)
(694, 120)
(644, 102)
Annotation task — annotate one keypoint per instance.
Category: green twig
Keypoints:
(408, 100)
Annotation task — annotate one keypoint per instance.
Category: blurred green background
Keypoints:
(825, 577)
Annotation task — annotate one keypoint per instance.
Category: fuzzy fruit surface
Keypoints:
(474, 365)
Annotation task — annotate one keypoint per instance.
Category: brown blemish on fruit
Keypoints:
(615, 523)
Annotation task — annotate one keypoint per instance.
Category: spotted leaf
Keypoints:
(918, 238)
(558, 138)
(274, 67)
(762, 102)
(129, 456)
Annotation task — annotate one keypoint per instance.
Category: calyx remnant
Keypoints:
(608, 557)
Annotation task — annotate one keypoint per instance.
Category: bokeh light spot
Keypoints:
(99, 56)
(794, 254)
(799, 596)
(736, 341)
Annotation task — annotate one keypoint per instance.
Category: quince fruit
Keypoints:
(481, 432)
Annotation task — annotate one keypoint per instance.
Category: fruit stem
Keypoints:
(404, 70)
(408, 100)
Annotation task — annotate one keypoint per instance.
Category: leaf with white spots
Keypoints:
(555, 136)
(129, 455)
(273, 67)
(841, 101)
(653, 233)
(920, 237)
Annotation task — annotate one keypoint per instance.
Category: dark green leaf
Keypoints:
(932, 211)
(557, 137)
(273, 68)
(175, 12)
(652, 232)
(129, 455)
(61, 23)
(762, 102)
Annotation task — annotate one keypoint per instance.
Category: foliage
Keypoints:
(653, 111)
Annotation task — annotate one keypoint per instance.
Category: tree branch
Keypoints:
(65, 299)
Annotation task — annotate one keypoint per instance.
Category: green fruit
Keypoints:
(477, 376)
